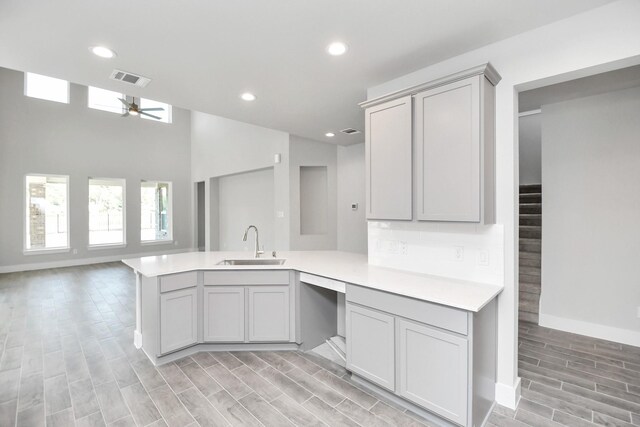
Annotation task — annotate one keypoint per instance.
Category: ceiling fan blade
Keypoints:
(125, 114)
(150, 115)
(152, 109)
(126, 104)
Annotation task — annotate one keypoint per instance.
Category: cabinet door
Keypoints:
(370, 345)
(268, 313)
(388, 160)
(433, 369)
(178, 319)
(447, 129)
(224, 313)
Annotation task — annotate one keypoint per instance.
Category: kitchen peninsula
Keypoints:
(427, 340)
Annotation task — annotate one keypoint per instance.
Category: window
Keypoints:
(106, 212)
(165, 115)
(43, 87)
(47, 212)
(105, 100)
(155, 221)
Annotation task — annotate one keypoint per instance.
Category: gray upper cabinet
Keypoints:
(437, 154)
(388, 160)
(454, 152)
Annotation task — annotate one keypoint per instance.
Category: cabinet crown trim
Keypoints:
(487, 69)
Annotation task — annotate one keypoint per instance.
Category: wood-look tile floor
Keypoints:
(67, 358)
(573, 380)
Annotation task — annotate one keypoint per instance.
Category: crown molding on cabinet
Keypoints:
(487, 69)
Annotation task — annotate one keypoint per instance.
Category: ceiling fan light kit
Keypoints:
(132, 109)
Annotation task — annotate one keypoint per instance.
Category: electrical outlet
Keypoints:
(279, 214)
(483, 257)
(386, 246)
(354, 206)
(404, 247)
(458, 253)
(75, 252)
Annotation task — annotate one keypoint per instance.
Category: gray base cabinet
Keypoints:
(438, 358)
(371, 345)
(269, 308)
(178, 319)
(433, 369)
(224, 313)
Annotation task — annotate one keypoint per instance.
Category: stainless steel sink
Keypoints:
(253, 261)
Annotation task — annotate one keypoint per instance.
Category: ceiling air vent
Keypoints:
(350, 131)
(134, 79)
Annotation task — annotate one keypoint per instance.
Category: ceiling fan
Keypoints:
(132, 109)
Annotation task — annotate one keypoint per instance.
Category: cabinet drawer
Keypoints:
(173, 282)
(255, 277)
(448, 318)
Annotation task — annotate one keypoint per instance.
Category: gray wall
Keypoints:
(590, 215)
(38, 136)
(530, 149)
(246, 199)
(221, 147)
(305, 152)
(352, 225)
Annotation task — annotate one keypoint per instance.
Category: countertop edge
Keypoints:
(492, 290)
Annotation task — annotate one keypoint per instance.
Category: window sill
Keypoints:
(45, 251)
(156, 242)
(107, 246)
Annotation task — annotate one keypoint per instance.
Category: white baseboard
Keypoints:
(610, 333)
(508, 395)
(84, 261)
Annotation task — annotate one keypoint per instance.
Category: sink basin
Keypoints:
(253, 261)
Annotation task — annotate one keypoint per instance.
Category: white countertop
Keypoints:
(343, 266)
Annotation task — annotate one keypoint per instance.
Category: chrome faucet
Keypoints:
(258, 252)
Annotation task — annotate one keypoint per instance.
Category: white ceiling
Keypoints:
(201, 54)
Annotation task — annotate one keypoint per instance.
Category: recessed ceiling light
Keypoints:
(337, 48)
(329, 134)
(103, 52)
(248, 96)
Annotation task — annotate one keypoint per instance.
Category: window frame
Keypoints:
(26, 89)
(25, 202)
(122, 95)
(123, 183)
(169, 239)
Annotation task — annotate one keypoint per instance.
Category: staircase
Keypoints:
(530, 250)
